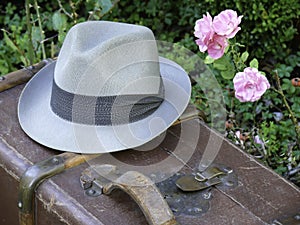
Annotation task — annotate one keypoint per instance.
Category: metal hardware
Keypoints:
(194, 203)
(191, 113)
(36, 174)
(208, 174)
(30, 180)
(141, 188)
(213, 175)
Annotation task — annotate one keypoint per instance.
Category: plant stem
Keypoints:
(16, 47)
(30, 45)
(63, 9)
(292, 116)
(74, 14)
(40, 27)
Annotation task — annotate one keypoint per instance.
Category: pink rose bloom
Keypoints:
(216, 46)
(250, 85)
(204, 31)
(226, 23)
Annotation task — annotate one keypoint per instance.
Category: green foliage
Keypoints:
(254, 63)
(267, 26)
(225, 66)
(49, 22)
(274, 118)
(13, 37)
(59, 21)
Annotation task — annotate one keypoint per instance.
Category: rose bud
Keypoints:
(229, 124)
(244, 136)
(296, 82)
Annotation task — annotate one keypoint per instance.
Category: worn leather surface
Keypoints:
(260, 197)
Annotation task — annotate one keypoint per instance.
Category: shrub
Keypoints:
(49, 21)
(268, 26)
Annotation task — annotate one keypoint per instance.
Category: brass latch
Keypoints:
(213, 175)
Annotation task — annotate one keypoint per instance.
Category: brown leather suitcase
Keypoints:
(253, 194)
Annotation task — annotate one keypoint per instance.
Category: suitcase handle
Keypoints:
(21, 76)
(144, 192)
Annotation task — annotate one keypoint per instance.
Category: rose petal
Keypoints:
(226, 23)
(250, 85)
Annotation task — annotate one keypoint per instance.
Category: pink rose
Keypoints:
(216, 46)
(204, 31)
(226, 23)
(250, 85)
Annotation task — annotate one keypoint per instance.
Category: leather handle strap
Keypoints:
(144, 192)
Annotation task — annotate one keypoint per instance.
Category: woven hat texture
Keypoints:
(108, 91)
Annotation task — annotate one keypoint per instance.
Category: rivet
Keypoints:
(297, 217)
(55, 161)
(207, 195)
(228, 170)
(91, 192)
(174, 209)
(197, 210)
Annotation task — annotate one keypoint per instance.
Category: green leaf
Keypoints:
(280, 169)
(106, 5)
(227, 49)
(23, 60)
(9, 42)
(208, 60)
(262, 72)
(36, 34)
(244, 56)
(222, 63)
(59, 21)
(254, 63)
(227, 74)
(285, 86)
(291, 90)
(61, 36)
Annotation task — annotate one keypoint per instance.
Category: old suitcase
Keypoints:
(253, 195)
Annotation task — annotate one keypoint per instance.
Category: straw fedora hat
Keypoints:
(108, 91)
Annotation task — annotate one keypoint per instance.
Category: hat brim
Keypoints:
(42, 125)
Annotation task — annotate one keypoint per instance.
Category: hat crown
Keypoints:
(101, 58)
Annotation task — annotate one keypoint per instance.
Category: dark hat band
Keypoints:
(103, 110)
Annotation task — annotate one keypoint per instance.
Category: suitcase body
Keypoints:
(259, 196)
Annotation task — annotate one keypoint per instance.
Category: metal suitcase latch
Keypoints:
(213, 175)
(103, 179)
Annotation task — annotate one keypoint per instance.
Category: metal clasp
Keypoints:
(209, 174)
(103, 179)
(213, 175)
